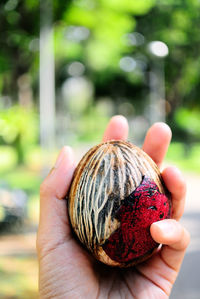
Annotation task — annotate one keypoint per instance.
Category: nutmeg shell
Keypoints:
(116, 194)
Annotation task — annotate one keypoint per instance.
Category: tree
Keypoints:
(110, 38)
(19, 27)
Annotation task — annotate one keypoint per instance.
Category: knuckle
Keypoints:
(45, 188)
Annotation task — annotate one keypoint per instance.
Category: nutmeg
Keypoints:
(116, 194)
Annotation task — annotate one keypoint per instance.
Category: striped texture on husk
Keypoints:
(107, 174)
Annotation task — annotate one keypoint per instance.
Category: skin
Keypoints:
(67, 270)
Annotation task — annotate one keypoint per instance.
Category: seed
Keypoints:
(116, 194)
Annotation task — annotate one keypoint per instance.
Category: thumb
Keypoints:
(54, 225)
(175, 239)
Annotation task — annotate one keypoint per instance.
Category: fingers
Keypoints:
(53, 212)
(175, 238)
(176, 185)
(117, 129)
(157, 141)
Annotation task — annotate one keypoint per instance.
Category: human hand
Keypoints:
(67, 270)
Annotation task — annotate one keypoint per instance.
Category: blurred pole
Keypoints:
(47, 77)
(157, 110)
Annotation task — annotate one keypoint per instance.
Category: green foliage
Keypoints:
(19, 128)
(8, 158)
(177, 24)
(21, 178)
(188, 120)
(91, 125)
(135, 7)
(102, 52)
(108, 22)
(97, 34)
(19, 27)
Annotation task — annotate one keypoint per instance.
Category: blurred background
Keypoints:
(66, 67)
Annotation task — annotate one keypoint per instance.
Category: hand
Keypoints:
(66, 270)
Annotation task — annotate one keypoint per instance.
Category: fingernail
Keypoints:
(166, 227)
(66, 150)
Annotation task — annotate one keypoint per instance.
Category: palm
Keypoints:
(88, 278)
(91, 279)
(67, 270)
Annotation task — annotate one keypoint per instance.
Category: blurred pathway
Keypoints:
(193, 193)
(18, 245)
(187, 285)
